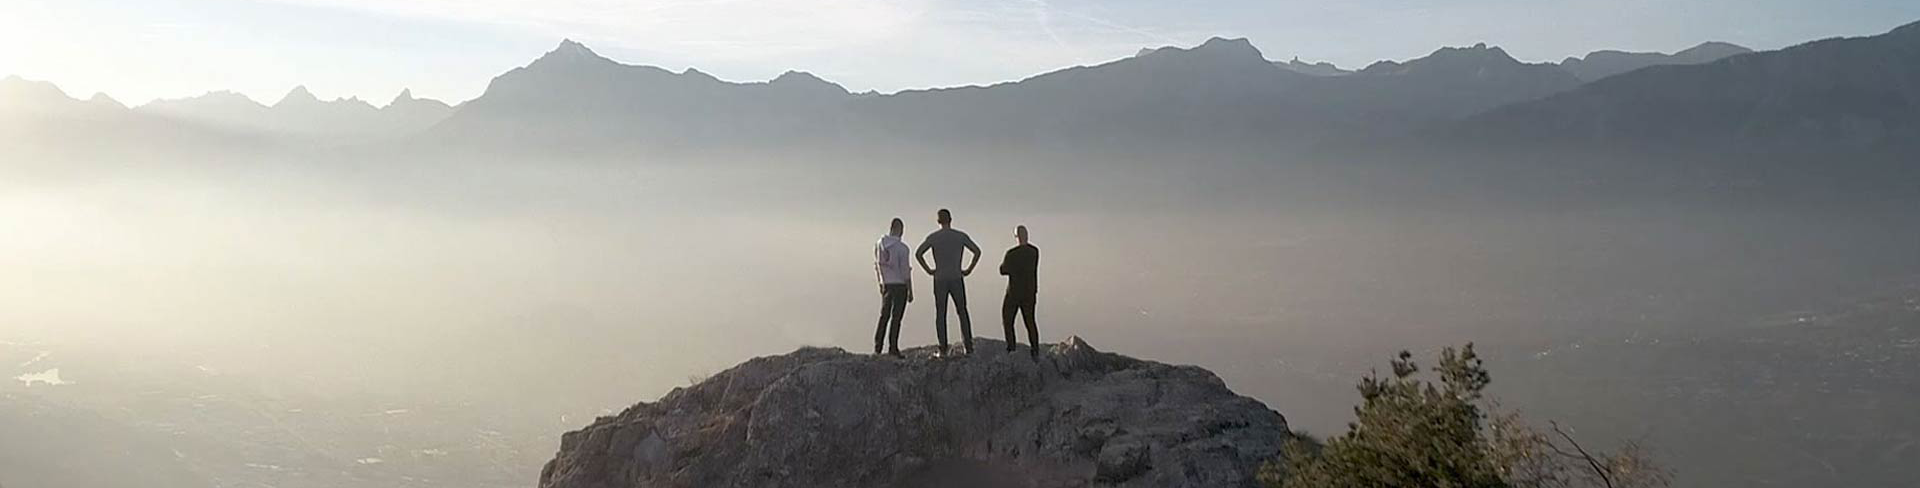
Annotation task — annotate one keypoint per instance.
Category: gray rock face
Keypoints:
(828, 418)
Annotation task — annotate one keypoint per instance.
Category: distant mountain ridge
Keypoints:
(301, 114)
(1321, 68)
(1859, 92)
(1830, 121)
(1221, 93)
(574, 94)
(23, 97)
(1450, 83)
(1222, 89)
(1602, 64)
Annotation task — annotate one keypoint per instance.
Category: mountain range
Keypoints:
(1861, 92)
(22, 99)
(299, 115)
(1834, 119)
(1470, 123)
(1220, 90)
(1848, 93)
(1223, 85)
(573, 96)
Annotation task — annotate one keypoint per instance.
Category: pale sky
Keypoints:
(136, 51)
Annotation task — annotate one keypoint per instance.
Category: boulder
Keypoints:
(818, 417)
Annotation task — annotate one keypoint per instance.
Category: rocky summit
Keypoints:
(824, 417)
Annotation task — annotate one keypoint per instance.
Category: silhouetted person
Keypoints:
(1021, 265)
(895, 273)
(949, 279)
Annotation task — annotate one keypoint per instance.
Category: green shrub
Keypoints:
(1411, 432)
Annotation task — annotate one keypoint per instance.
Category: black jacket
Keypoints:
(1021, 265)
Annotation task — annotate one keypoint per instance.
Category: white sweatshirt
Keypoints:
(891, 258)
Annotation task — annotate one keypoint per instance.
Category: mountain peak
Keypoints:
(224, 96)
(299, 95)
(695, 73)
(1471, 60)
(1718, 45)
(570, 51)
(804, 81)
(17, 91)
(1215, 51)
(792, 76)
(1479, 51)
(1479, 54)
(1321, 68)
(17, 82)
(1234, 46)
(101, 98)
(1709, 51)
(406, 95)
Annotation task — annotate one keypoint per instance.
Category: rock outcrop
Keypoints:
(829, 418)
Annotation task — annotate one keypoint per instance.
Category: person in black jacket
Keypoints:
(1020, 266)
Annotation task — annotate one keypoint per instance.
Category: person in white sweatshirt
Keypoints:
(895, 273)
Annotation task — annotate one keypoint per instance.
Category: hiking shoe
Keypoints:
(896, 354)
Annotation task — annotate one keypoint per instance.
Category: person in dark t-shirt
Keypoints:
(949, 278)
(1020, 266)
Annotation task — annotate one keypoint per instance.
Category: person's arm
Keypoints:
(1005, 262)
(921, 255)
(902, 263)
(968, 271)
(883, 258)
(1033, 265)
(1033, 270)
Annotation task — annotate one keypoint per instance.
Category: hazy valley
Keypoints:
(1711, 250)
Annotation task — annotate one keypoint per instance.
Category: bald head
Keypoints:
(1020, 234)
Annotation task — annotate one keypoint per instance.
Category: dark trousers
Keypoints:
(893, 304)
(1019, 304)
(957, 290)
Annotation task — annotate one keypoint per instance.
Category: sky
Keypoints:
(137, 51)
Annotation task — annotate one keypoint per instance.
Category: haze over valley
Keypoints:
(1711, 250)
